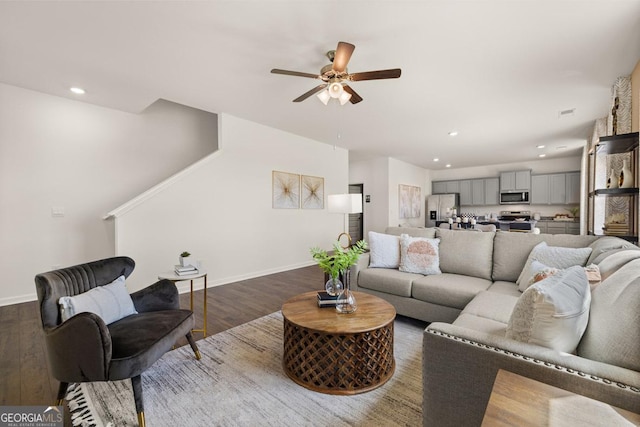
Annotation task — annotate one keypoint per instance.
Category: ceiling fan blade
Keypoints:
(295, 73)
(311, 92)
(342, 56)
(376, 75)
(355, 98)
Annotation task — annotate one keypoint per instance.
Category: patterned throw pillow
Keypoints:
(419, 255)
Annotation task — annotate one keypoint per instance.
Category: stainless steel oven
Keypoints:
(514, 197)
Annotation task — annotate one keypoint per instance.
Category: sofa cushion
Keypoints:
(553, 312)
(492, 305)
(468, 253)
(386, 280)
(419, 255)
(111, 302)
(511, 250)
(384, 250)
(616, 259)
(451, 290)
(607, 244)
(552, 256)
(429, 233)
(507, 288)
(613, 333)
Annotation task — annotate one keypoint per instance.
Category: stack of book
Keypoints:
(616, 229)
(326, 300)
(186, 270)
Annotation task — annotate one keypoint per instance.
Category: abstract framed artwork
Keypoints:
(312, 188)
(285, 190)
(410, 201)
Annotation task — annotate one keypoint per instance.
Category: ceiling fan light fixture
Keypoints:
(335, 89)
(324, 97)
(344, 97)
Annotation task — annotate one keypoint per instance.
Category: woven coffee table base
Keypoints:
(338, 363)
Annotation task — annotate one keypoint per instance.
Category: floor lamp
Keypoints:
(345, 204)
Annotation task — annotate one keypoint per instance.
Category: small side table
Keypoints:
(171, 275)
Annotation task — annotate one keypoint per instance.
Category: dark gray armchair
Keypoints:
(84, 349)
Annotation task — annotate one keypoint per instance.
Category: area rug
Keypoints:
(240, 382)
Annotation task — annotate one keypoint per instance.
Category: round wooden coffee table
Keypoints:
(336, 353)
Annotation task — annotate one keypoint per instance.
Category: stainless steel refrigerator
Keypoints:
(437, 206)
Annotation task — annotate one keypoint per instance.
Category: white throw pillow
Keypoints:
(552, 256)
(111, 302)
(553, 312)
(384, 250)
(419, 255)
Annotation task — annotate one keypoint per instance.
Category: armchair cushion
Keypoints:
(111, 302)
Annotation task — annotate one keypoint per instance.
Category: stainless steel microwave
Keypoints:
(514, 197)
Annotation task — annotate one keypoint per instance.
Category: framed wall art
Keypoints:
(410, 201)
(285, 190)
(312, 192)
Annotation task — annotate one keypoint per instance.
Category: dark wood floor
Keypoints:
(24, 375)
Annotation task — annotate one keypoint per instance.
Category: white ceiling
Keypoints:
(496, 71)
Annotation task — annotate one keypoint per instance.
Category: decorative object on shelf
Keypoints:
(626, 176)
(612, 181)
(345, 204)
(337, 264)
(186, 260)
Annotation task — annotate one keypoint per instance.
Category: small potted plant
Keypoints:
(337, 263)
(184, 259)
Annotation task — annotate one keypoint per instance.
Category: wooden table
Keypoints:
(519, 401)
(336, 353)
(171, 275)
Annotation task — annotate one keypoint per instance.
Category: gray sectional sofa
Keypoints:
(469, 305)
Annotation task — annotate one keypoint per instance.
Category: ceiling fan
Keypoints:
(335, 77)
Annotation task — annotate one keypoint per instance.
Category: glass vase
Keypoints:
(349, 305)
(333, 286)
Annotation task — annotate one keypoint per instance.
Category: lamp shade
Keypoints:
(324, 96)
(345, 203)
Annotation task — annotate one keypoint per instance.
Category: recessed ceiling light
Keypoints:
(448, 165)
(566, 113)
(78, 90)
(453, 133)
(436, 159)
(542, 155)
(561, 147)
(540, 146)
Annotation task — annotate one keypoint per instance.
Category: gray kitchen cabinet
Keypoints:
(439, 187)
(465, 193)
(516, 180)
(542, 225)
(573, 228)
(477, 192)
(558, 227)
(573, 188)
(539, 190)
(507, 181)
(557, 189)
(453, 187)
(445, 187)
(491, 190)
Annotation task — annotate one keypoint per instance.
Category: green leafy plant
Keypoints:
(185, 254)
(575, 211)
(340, 259)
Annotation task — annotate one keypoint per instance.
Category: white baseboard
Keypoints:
(18, 299)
